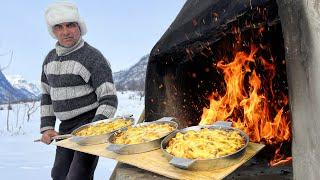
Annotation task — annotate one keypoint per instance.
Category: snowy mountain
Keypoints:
(132, 78)
(8, 93)
(19, 82)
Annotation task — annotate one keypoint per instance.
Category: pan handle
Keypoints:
(128, 116)
(166, 119)
(223, 123)
(171, 119)
(115, 147)
(60, 137)
(181, 162)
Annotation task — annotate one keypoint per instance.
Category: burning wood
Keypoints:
(250, 101)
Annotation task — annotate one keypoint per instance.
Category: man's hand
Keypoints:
(47, 135)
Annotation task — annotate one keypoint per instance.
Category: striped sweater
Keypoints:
(76, 83)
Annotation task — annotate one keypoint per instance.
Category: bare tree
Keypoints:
(17, 115)
(25, 113)
(7, 66)
(9, 95)
(141, 94)
(31, 109)
(8, 120)
(9, 109)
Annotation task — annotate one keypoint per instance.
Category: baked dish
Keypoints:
(103, 127)
(141, 134)
(205, 143)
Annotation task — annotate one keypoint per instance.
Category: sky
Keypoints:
(123, 31)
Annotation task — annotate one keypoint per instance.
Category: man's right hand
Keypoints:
(47, 135)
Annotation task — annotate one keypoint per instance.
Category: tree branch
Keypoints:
(7, 66)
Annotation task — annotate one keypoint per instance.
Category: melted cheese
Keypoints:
(103, 127)
(141, 134)
(205, 144)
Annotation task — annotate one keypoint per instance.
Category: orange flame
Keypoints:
(249, 107)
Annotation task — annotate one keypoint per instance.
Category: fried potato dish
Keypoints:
(205, 144)
(103, 127)
(141, 134)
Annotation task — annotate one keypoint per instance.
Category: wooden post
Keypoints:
(301, 27)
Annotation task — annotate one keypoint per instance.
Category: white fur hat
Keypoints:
(61, 12)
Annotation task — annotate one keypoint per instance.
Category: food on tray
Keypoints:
(205, 144)
(141, 134)
(103, 127)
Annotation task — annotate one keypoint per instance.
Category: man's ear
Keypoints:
(79, 27)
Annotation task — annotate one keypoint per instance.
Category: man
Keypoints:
(77, 88)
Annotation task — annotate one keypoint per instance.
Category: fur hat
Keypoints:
(61, 12)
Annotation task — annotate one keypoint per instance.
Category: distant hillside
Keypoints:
(132, 78)
(18, 82)
(8, 93)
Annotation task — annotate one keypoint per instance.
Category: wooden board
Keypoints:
(154, 161)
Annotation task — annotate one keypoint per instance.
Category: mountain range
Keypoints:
(133, 78)
(18, 82)
(14, 88)
(17, 90)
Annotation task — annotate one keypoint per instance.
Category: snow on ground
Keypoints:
(21, 158)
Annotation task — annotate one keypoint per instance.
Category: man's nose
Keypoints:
(65, 31)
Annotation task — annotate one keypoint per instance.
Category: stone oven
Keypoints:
(252, 62)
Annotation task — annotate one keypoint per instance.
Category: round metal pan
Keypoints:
(205, 164)
(142, 147)
(96, 139)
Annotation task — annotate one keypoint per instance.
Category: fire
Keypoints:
(246, 101)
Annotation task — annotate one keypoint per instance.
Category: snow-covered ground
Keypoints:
(21, 158)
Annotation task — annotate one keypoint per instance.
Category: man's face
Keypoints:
(67, 33)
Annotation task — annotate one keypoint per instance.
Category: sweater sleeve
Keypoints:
(48, 119)
(102, 82)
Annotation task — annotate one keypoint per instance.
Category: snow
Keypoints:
(21, 158)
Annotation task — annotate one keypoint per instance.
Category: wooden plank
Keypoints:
(154, 161)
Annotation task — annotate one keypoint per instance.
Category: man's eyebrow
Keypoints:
(57, 25)
(71, 23)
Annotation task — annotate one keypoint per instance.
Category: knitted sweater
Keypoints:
(76, 83)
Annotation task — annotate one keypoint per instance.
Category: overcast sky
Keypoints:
(123, 30)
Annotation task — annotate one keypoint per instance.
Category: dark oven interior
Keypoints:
(225, 62)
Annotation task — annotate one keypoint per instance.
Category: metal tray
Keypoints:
(96, 139)
(205, 164)
(142, 147)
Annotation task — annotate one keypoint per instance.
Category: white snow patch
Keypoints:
(21, 158)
